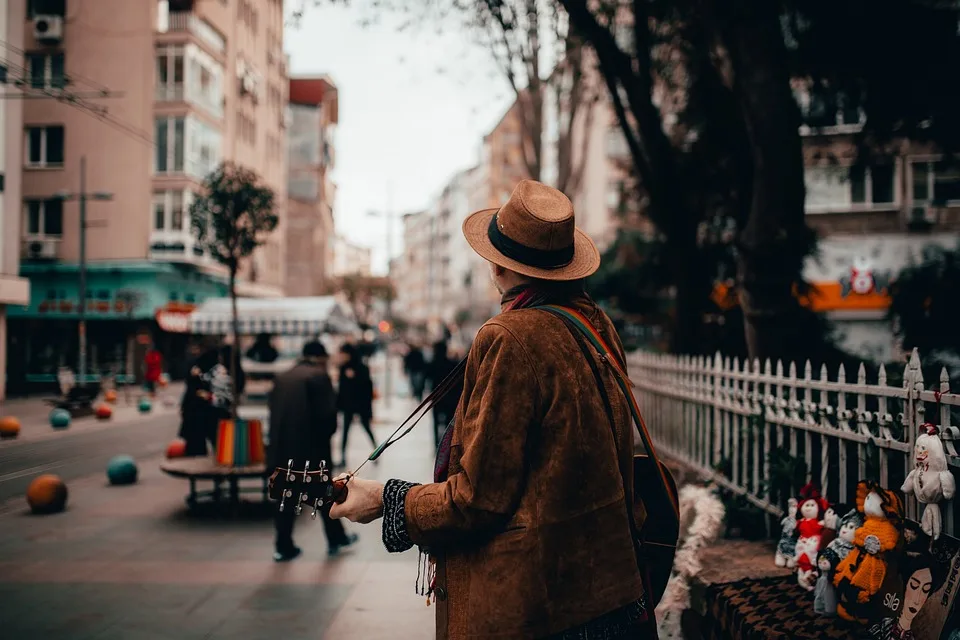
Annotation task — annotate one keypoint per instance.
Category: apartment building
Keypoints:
(872, 221)
(411, 270)
(14, 290)
(350, 259)
(147, 97)
(310, 245)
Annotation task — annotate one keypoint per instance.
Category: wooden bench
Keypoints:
(205, 468)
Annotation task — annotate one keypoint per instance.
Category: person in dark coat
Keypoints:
(198, 416)
(355, 396)
(440, 367)
(415, 366)
(303, 418)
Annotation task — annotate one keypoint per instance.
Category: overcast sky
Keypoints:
(413, 109)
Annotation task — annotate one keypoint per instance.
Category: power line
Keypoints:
(83, 79)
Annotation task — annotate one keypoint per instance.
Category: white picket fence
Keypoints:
(731, 419)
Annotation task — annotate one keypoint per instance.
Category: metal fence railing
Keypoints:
(760, 431)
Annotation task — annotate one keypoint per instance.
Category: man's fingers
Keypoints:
(335, 511)
(342, 476)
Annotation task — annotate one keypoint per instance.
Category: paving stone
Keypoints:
(131, 563)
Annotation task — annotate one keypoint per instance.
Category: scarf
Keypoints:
(522, 297)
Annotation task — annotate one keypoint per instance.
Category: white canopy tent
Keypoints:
(307, 316)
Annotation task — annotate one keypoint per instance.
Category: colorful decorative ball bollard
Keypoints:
(104, 412)
(59, 418)
(110, 395)
(145, 405)
(47, 494)
(122, 470)
(177, 449)
(9, 427)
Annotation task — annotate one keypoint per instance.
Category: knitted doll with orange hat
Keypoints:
(810, 512)
(860, 575)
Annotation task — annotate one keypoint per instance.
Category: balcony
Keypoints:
(187, 22)
(170, 93)
(175, 246)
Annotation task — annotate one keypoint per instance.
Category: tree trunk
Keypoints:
(235, 352)
(693, 283)
(772, 242)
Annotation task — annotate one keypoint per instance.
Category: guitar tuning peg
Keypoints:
(316, 505)
(283, 499)
(290, 477)
(306, 470)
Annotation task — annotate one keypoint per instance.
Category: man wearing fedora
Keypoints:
(525, 524)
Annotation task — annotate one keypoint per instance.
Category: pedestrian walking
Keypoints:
(526, 523)
(303, 418)
(153, 369)
(198, 415)
(415, 365)
(440, 367)
(354, 396)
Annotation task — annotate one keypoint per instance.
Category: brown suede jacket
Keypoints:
(530, 529)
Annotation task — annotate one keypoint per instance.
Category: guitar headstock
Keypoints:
(296, 488)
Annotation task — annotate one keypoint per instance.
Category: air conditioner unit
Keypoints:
(924, 214)
(41, 248)
(48, 29)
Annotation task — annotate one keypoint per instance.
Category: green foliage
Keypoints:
(926, 302)
(788, 473)
(233, 215)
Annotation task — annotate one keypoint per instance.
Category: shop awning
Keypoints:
(307, 316)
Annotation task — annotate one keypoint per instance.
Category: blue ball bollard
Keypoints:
(59, 418)
(145, 405)
(122, 470)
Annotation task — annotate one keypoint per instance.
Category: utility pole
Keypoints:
(82, 197)
(388, 214)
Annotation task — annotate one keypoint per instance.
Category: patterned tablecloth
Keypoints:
(770, 609)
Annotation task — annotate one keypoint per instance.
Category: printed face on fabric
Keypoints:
(916, 593)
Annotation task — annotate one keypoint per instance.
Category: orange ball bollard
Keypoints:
(110, 395)
(47, 494)
(9, 427)
(104, 412)
(176, 449)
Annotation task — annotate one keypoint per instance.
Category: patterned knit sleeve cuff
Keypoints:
(395, 537)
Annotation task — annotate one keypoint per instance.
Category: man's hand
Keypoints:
(364, 501)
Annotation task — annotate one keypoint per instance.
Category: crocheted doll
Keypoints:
(830, 524)
(843, 543)
(825, 595)
(860, 575)
(786, 548)
(809, 529)
(931, 480)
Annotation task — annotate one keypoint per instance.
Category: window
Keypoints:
(169, 135)
(44, 218)
(44, 147)
(169, 73)
(204, 82)
(45, 71)
(204, 148)
(46, 7)
(844, 188)
(168, 210)
(935, 182)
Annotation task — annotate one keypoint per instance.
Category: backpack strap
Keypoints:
(586, 328)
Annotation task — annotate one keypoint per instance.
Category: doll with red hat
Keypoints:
(811, 508)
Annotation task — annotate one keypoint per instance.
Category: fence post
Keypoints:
(912, 419)
(715, 396)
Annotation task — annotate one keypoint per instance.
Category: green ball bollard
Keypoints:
(145, 405)
(59, 418)
(122, 470)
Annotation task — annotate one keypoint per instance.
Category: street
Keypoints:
(76, 454)
(131, 563)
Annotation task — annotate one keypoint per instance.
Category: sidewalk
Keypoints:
(129, 563)
(34, 413)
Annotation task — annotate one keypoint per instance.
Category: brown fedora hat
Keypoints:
(533, 234)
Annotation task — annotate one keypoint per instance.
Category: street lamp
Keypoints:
(82, 196)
